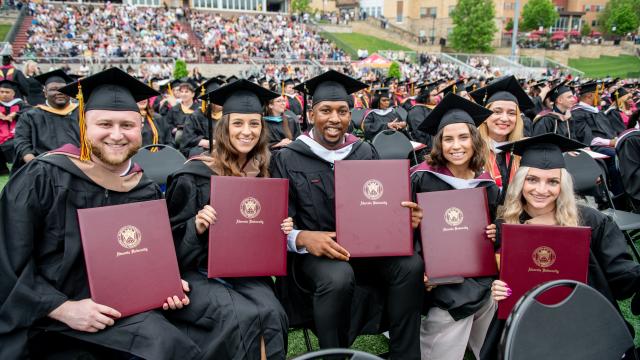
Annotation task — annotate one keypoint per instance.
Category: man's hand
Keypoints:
(416, 213)
(491, 232)
(204, 143)
(174, 303)
(28, 158)
(205, 218)
(85, 315)
(322, 243)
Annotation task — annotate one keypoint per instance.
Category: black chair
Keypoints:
(629, 143)
(402, 113)
(584, 326)
(159, 164)
(392, 144)
(357, 116)
(337, 354)
(585, 172)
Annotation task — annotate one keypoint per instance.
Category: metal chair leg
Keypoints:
(307, 339)
(634, 248)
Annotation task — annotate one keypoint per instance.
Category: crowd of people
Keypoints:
(109, 31)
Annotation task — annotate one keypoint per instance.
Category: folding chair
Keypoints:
(402, 113)
(585, 172)
(584, 326)
(357, 116)
(158, 165)
(391, 144)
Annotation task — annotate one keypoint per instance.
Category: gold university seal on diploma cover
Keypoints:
(129, 237)
(373, 189)
(250, 207)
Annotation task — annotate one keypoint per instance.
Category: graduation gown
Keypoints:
(225, 319)
(376, 121)
(164, 137)
(35, 95)
(617, 124)
(460, 300)
(415, 117)
(175, 118)
(312, 207)
(294, 104)
(42, 129)
(42, 263)
(551, 122)
(628, 153)
(596, 124)
(196, 128)
(277, 133)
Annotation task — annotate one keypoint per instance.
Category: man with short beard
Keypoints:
(45, 303)
(48, 126)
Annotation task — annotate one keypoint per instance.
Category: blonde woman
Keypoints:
(542, 193)
(34, 92)
(506, 99)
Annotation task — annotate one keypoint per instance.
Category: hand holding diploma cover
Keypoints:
(454, 241)
(535, 254)
(370, 220)
(130, 257)
(246, 239)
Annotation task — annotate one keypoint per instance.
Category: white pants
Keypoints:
(443, 338)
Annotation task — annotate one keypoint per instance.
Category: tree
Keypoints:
(474, 26)
(394, 71)
(586, 30)
(180, 69)
(537, 13)
(509, 25)
(300, 6)
(621, 15)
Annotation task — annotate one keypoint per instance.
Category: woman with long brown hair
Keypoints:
(282, 128)
(152, 131)
(230, 318)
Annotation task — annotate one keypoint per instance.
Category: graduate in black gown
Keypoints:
(332, 281)
(542, 193)
(628, 152)
(152, 130)
(48, 126)
(619, 110)
(281, 123)
(425, 102)
(294, 100)
(174, 119)
(559, 120)
(45, 306)
(195, 138)
(230, 318)
(381, 116)
(457, 315)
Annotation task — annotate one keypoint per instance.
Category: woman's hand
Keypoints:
(205, 218)
(426, 283)
(491, 232)
(287, 226)
(500, 290)
(416, 213)
(174, 303)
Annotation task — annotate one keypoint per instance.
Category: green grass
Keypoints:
(351, 42)
(3, 181)
(624, 66)
(4, 30)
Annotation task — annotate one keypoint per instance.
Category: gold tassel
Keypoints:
(617, 94)
(455, 90)
(204, 102)
(413, 89)
(85, 146)
(282, 89)
(474, 87)
(154, 130)
(595, 96)
(169, 90)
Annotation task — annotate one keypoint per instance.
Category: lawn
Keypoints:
(351, 42)
(624, 66)
(4, 30)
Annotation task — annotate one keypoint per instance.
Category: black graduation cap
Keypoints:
(57, 75)
(381, 92)
(471, 86)
(543, 151)
(111, 89)
(240, 97)
(611, 82)
(186, 81)
(452, 88)
(506, 88)
(590, 86)
(331, 86)
(558, 90)
(428, 87)
(210, 85)
(232, 78)
(253, 79)
(10, 84)
(289, 81)
(454, 109)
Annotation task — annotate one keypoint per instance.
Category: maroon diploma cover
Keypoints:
(247, 239)
(129, 254)
(454, 241)
(370, 222)
(535, 254)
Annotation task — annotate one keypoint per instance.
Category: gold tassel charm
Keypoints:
(85, 146)
(596, 96)
(204, 102)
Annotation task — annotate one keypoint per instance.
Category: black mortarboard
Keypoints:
(232, 78)
(542, 151)
(471, 86)
(506, 88)
(9, 84)
(590, 86)
(558, 90)
(289, 81)
(381, 92)
(454, 109)
(331, 86)
(57, 75)
(210, 85)
(253, 79)
(189, 82)
(453, 88)
(241, 97)
(428, 87)
(111, 89)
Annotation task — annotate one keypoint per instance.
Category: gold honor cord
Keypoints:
(154, 130)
